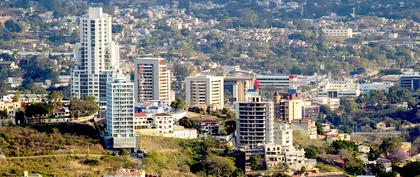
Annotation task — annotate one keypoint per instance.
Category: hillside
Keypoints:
(176, 157)
(58, 150)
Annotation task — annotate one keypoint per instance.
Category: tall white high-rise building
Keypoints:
(96, 56)
(152, 80)
(254, 122)
(120, 112)
(205, 90)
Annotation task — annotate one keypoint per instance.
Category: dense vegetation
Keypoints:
(44, 140)
(177, 157)
(369, 109)
(57, 150)
(87, 165)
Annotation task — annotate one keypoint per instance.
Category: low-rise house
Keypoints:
(9, 64)
(363, 149)
(10, 107)
(211, 127)
(162, 122)
(386, 163)
(332, 103)
(310, 110)
(333, 134)
(182, 133)
(62, 112)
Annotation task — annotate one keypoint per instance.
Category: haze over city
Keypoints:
(169, 88)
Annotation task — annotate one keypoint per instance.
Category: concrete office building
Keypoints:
(273, 82)
(120, 112)
(236, 86)
(205, 90)
(337, 34)
(152, 80)
(338, 89)
(410, 82)
(288, 107)
(96, 56)
(254, 122)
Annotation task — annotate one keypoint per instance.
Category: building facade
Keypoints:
(410, 82)
(205, 90)
(96, 56)
(254, 122)
(282, 134)
(339, 89)
(337, 34)
(152, 80)
(273, 82)
(10, 108)
(306, 125)
(282, 152)
(235, 87)
(120, 113)
(288, 107)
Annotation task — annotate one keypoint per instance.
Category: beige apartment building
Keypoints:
(337, 34)
(288, 107)
(205, 90)
(152, 80)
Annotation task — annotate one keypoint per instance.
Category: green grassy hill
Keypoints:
(57, 150)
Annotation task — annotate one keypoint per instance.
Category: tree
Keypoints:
(13, 26)
(398, 155)
(374, 153)
(181, 71)
(311, 152)
(229, 113)
(179, 104)
(389, 144)
(186, 122)
(219, 166)
(256, 162)
(397, 94)
(319, 128)
(248, 18)
(20, 118)
(16, 97)
(355, 167)
(124, 152)
(411, 169)
(55, 98)
(338, 145)
(303, 169)
(38, 109)
(348, 106)
(83, 107)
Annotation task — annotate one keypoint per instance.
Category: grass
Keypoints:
(166, 157)
(327, 168)
(43, 140)
(200, 117)
(45, 149)
(65, 166)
